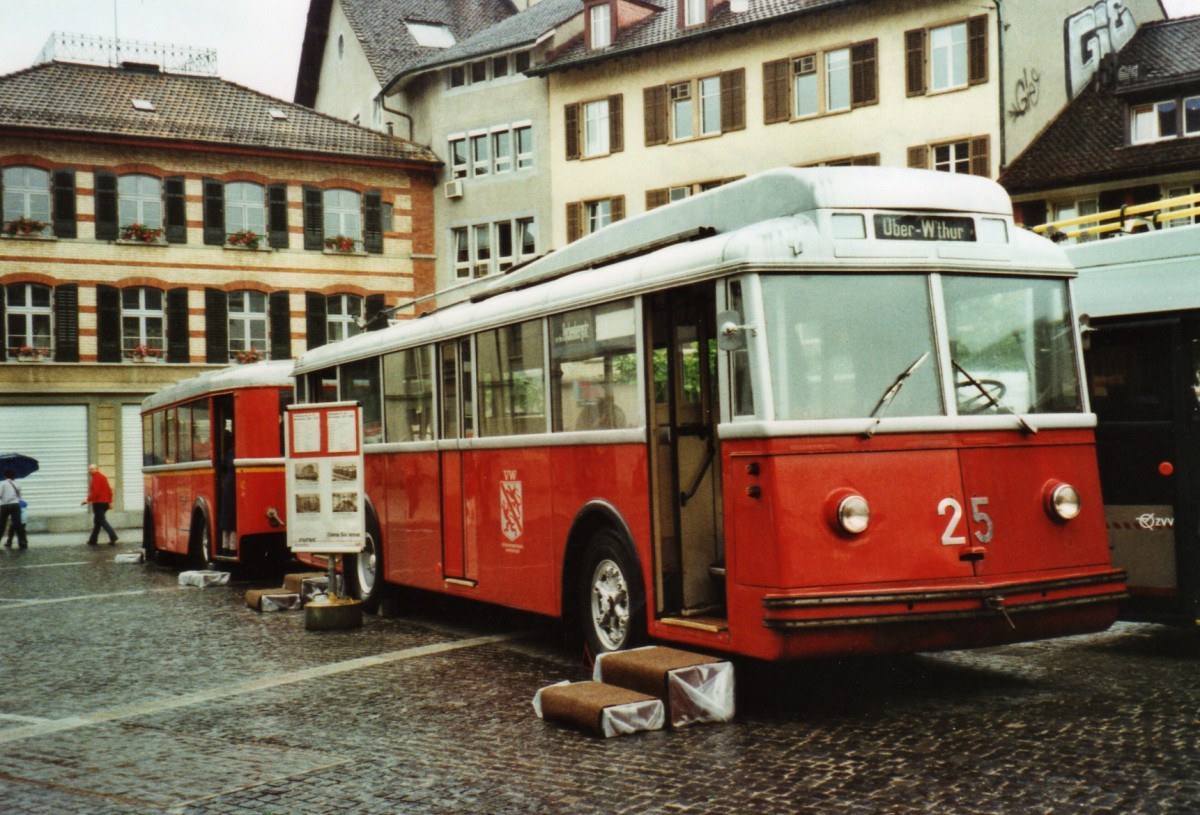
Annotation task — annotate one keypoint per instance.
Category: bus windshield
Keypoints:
(861, 346)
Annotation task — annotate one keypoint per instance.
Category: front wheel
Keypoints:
(364, 571)
(612, 608)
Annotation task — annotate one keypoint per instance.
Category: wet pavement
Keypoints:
(124, 693)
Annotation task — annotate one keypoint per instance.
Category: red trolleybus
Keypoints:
(812, 412)
(1140, 299)
(213, 466)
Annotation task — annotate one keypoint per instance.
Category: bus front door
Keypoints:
(458, 423)
(224, 488)
(685, 465)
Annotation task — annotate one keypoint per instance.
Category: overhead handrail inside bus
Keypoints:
(1125, 218)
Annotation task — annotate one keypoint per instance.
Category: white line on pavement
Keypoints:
(143, 708)
(27, 719)
(18, 603)
(47, 565)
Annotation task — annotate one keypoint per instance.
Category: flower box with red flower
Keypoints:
(25, 228)
(244, 239)
(248, 356)
(142, 234)
(341, 244)
(31, 353)
(144, 353)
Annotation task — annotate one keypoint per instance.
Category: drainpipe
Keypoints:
(1000, 61)
(383, 105)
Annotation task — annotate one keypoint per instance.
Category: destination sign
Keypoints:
(924, 228)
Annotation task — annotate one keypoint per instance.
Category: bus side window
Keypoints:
(172, 450)
(593, 362)
(360, 383)
(201, 438)
(158, 432)
(512, 377)
(739, 361)
(408, 394)
(185, 434)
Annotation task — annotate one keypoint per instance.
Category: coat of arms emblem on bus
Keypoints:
(512, 509)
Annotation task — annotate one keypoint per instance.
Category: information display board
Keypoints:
(325, 478)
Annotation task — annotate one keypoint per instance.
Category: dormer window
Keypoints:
(600, 26)
(695, 12)
(144, 105)
(1165, 119)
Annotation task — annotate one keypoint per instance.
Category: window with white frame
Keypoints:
(598, 214)
(245, 207)
(693, 12)
(948, 57)
(485, 249)
(681, 111)
(954, 157)
(1191, 116)
(695, 108)
(595, 128)
(502, 150)
(1154, 121)
(247, 322)
(29, 317)
(1077, 209)
(498, 150)
(143, 320)
(343, 213)
(523, 134)
(806, 93)
(460, 167)
(481, 162)
(710, 105)
(140, 201)
(343, 316)
(26, 194)
(837, 80)
(600, 21)
(1178, 192)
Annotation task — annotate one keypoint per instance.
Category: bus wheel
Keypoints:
(364, 571)
(611, 603)
(200, 552)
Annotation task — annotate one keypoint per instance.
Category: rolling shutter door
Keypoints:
(57, 436)
(132, 497)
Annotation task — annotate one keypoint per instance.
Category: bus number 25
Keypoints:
(952, 506)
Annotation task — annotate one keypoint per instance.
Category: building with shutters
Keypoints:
(653, 102)
(158, 224)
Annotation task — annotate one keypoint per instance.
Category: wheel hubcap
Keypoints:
(366, 561)
(610, 605)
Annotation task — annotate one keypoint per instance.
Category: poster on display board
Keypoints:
(325, 478)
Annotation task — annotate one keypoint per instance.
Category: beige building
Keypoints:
(156, 225)
(653, 102)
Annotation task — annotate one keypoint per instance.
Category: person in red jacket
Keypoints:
(100, 496)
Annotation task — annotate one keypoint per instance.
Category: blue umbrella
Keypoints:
(19, 465)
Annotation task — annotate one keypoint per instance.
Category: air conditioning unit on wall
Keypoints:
(454, 188)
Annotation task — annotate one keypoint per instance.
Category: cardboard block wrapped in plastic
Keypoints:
(272, 600)
(129, 557)
(604, 710)
(696, 688)
(204, 578)
(294, 583)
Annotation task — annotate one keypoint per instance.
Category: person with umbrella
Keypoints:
(10, 510)
(100, 496)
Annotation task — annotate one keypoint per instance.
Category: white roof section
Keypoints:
(778, 221)
(1138, 274)
(254, 375)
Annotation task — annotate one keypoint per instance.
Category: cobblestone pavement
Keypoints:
(124, 693)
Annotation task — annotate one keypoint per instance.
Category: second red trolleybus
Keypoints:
(213, 467)
(812, 412)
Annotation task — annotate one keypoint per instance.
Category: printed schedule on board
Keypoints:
(325, 478)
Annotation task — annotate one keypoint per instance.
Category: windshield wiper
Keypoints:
(884, 401)
(992, 401)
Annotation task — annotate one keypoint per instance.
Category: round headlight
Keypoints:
(1062, 501)
(853, 514)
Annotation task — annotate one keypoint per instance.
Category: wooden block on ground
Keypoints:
(595, 707)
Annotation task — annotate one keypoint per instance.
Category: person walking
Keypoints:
(100, 496)
(10, 511)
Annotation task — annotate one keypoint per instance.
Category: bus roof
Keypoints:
(1138, 274)
(774, 221)
(277, 373)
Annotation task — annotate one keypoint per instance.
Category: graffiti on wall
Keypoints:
(1025, 94)
(1092, 33)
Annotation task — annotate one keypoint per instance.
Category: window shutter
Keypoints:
(3, 326)
(373, 221)
(314, 218)
(864, 74)
(918, 157)
(977, 50)
(214, 212)
(571, 114)
(657, 198)
(776, 91)
(616, 124)
(373, 309)
(66, 323)
(315, 316)
(279, 315)
(216, 327)
(64, 204)
(574, 221)
(654, 102)
(914, 62)
(618, 208)
(179, 334)
(105, 193)
(733, 100)
(277, 216)
(175, 211)
(108, 324)
(871, 160)
(980, 160)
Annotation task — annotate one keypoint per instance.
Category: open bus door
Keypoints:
(224, 490)
(684, 455)
(1143, 379)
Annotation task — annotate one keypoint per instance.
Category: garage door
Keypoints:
(131, 458)
(56, 435)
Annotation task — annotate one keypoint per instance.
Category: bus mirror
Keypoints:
(731, 334)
